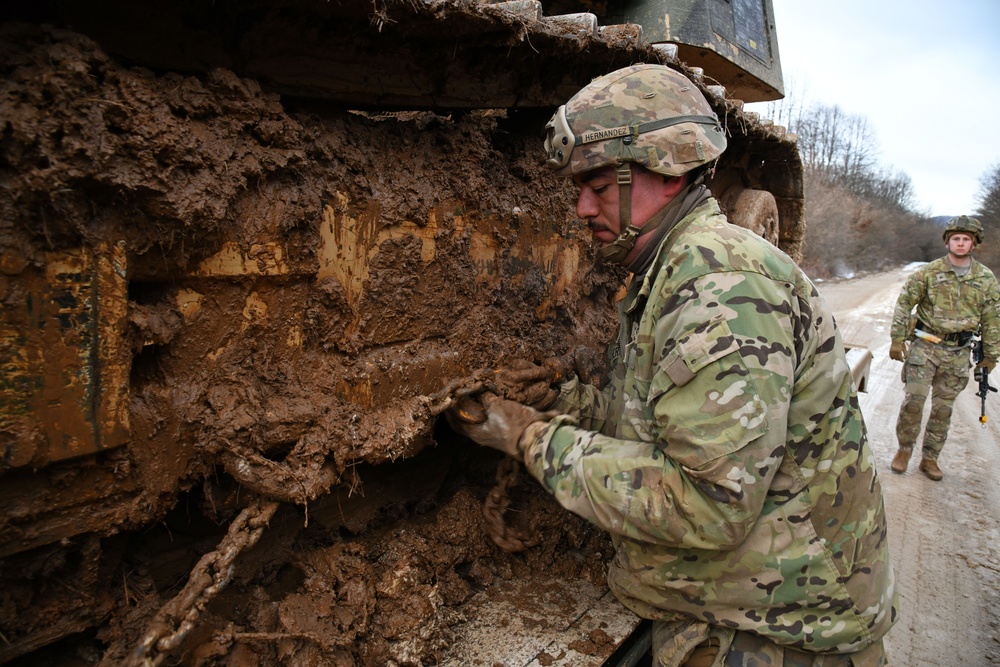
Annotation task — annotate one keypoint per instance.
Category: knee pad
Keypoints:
(940, 412)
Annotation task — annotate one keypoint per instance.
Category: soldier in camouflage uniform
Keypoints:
(955, 298)
(727, 457)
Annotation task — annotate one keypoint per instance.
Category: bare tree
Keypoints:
(988, 212)
(847, 233)
(789, 110)
(859, 150)
(893, 189)
(860, 215)
(837, 145)
(989, 196)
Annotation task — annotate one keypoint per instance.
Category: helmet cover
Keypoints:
(964, 224)
(648, 114)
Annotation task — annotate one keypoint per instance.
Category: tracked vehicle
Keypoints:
(244, 248)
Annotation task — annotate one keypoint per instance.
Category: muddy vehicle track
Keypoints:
(305, 382)
(230, 302)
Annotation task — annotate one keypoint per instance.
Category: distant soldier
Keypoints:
(727, 456)
(956, 298)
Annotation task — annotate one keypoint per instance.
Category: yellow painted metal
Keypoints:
(64, 360)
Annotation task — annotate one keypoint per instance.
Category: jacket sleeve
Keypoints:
(913, 291)
(990, 322)
(587, 404)
(717, 409)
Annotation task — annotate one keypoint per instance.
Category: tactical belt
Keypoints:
(959, 338)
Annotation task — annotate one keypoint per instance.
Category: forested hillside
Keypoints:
(860, 215)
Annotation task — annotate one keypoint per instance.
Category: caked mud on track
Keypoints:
(244, 301)
(243, 247)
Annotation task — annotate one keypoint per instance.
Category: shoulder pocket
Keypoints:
(704, 398)
(692, 353)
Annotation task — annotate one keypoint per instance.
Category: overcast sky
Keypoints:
(925, 74)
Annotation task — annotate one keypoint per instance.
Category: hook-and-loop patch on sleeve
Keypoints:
(704, 397)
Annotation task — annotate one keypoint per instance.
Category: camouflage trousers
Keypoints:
(941, 371)
(697, 644)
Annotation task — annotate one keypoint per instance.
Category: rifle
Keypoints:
(982, 376)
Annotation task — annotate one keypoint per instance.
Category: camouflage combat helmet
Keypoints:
(965, 225)
(651, 115)
(648, 114)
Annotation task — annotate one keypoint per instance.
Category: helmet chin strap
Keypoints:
(617, 250)
(691, 196)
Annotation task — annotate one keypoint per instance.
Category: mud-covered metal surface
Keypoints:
(460, 55)
(65, 375)
(229, 307)
(299, 284)
(403, 54)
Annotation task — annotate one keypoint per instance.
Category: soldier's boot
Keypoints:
(930, 468)
(703, 655)
(901, 460)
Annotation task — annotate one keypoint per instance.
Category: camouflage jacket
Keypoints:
(949, 303)
(727, 456)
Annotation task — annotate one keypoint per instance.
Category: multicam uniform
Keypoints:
(947, 306)
(728, 457)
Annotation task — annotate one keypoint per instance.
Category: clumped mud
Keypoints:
(288, 378)
(378, 578)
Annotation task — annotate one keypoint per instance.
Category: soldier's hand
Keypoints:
(530, 383)
(503, 425)
(897, 350)
(987, 364)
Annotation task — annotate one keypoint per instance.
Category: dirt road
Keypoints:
(944, 536)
